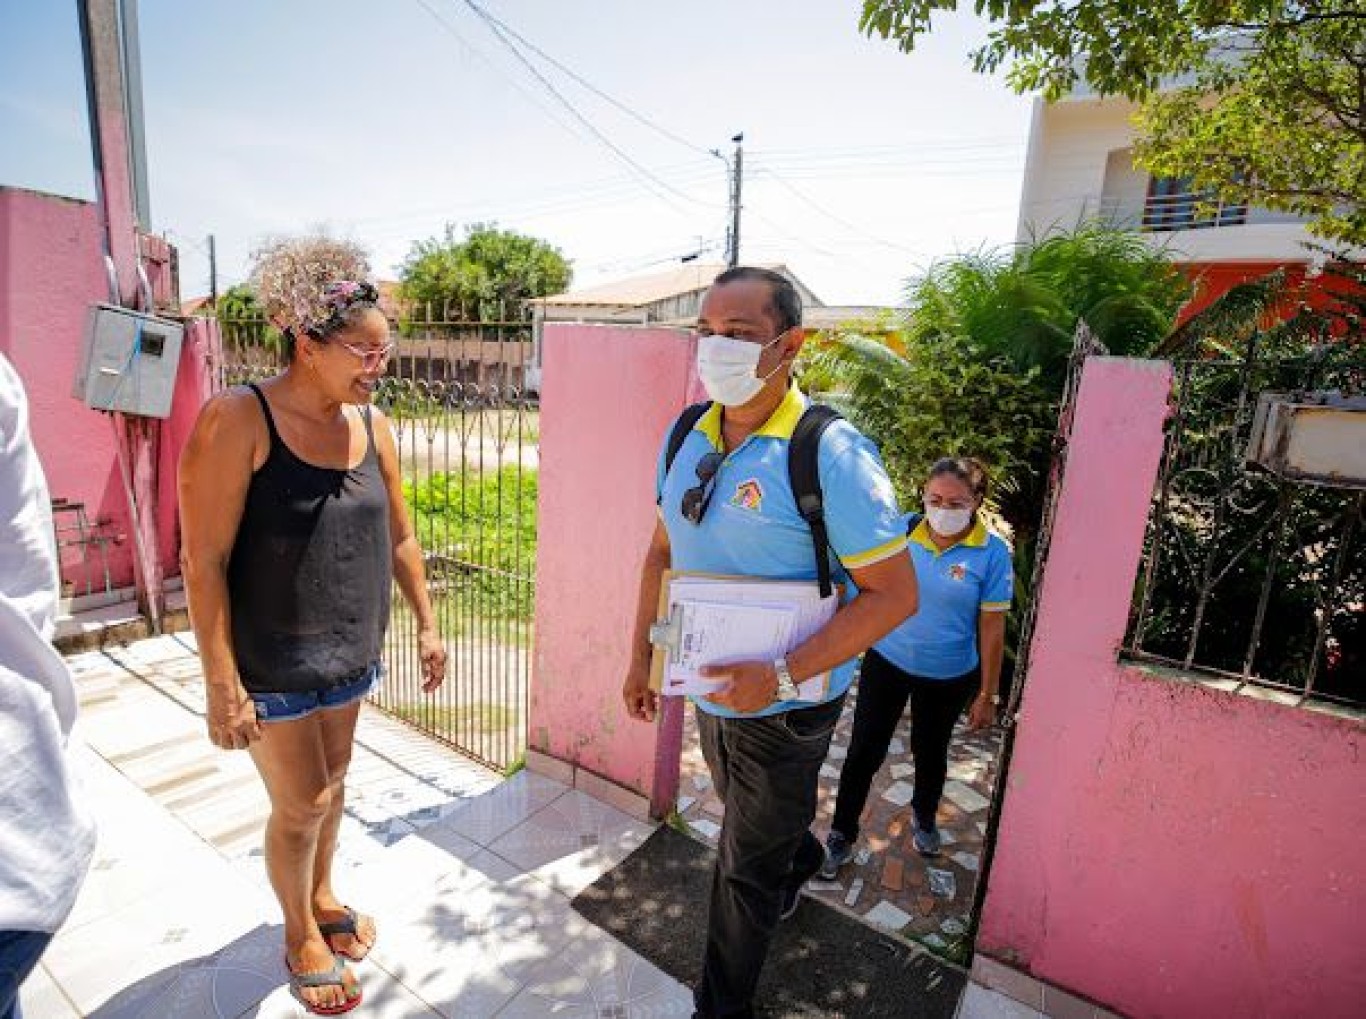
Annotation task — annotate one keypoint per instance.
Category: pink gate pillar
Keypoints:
(1165, 849)
(608, 397)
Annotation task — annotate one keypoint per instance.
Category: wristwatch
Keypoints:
(787, 690)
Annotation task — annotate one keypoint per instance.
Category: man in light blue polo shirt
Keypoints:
(726, 506)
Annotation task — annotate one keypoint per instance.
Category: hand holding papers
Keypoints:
(707, 620)
(714, 633)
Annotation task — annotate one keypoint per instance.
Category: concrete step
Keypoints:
(117, 623)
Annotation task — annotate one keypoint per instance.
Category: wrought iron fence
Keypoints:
(1250, 578)
(468, 433)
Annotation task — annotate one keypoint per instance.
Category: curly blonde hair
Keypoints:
(296, 280)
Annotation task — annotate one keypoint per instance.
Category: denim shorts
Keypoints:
(286, 707)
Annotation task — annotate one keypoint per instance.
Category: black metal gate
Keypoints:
(1252, 579)
(467, 431)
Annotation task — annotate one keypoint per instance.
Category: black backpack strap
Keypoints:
(803, 470)
(686, 422)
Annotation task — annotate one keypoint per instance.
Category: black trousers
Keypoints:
(883, 691)
(766, 772)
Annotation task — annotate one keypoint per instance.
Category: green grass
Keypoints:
(467, 718)
(479, 534)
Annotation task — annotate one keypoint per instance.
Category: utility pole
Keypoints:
(213, 274)
(735, 168)
(738, 176)
(109, 52)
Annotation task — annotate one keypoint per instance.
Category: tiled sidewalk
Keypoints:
(469, 877)
(889, 884)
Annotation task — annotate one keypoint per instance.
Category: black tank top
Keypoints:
(310, 572)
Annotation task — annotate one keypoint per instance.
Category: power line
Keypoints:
(569, 198)
(640, 117)
(764, 171)
(494, 26)
(480, 55)
(660, 256)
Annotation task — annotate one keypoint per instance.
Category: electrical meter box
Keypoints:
(1312, 438)
(129, 362)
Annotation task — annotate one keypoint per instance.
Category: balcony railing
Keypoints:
(1180, 211)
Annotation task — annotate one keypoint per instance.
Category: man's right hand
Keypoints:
(231, 717)
(641, 702)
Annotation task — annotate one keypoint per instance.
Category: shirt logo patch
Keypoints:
(958, 572)
(748, 495)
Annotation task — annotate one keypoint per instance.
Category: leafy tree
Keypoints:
(1269, 107)
(243, 323)
(238, 302)
(485, 276)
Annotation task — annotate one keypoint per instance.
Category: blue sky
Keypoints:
(384, 121)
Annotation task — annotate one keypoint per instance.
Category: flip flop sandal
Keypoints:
(335, 977)
(347, 926)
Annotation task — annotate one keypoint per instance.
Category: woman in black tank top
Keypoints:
(294, 529)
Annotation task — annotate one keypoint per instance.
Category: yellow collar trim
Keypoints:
(976, 538)
(780, 425)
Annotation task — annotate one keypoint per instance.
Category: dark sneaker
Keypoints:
(926, 840)
(838, 851)
(792, 891)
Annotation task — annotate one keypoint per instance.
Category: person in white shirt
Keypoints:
(46, 836)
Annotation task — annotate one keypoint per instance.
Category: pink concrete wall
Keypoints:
(51, 270)
(197, 378)
(1166, 849)
(609, 396)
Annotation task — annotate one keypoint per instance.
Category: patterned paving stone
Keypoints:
(965, 797)
(886, 828)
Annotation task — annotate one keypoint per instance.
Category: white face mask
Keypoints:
(728, 368)
(948, 522)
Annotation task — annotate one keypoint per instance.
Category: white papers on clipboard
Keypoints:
(720, 620)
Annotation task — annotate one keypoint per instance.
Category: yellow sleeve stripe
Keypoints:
(875, 555)
(995, 606)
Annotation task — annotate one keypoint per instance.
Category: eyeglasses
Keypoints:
(371, 357)
(695, 499)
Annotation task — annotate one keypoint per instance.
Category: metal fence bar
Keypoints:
(1350, 516)
(1248, 576)
(1206, 586)
(1163, 503)
(1284, 500)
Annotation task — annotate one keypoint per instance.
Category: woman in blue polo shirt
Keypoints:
(942, 659)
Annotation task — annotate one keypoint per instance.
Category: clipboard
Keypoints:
(667, 637)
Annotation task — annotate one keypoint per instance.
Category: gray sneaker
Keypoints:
(838, 851)
(926, 840)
